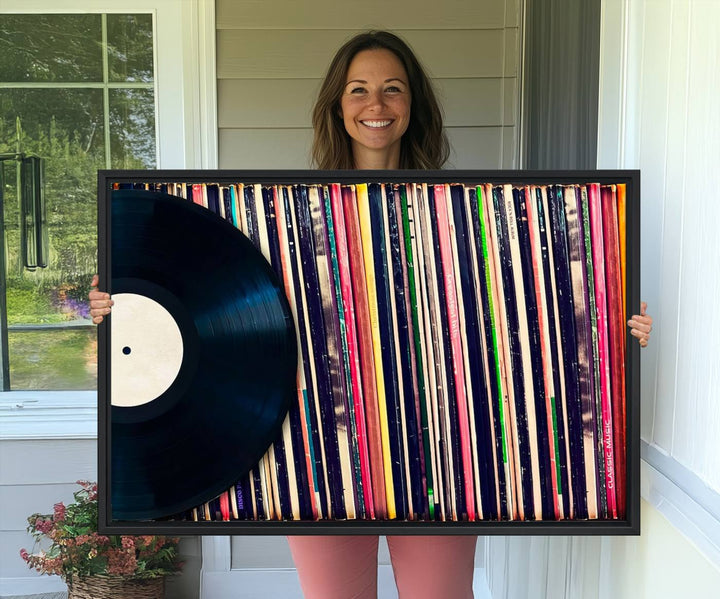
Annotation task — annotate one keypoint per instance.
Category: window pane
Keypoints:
(50, 48)
(132, 128)
(65, 127)
(54, 359)
(130, 47)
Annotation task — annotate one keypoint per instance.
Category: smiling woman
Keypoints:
(375, 78)
(375, 108)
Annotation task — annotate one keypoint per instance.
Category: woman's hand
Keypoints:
(641, 325)
(100, 302)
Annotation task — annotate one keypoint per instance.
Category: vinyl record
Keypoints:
(203, 355)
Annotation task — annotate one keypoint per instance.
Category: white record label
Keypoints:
(146, 350)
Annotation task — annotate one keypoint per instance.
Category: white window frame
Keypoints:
(186, 131)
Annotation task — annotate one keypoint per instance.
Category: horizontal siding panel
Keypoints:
(512, 52)
(11, 564)
(370, 14)
(264, 148)
(471, 148)
(473, 102)
(38, 462)
(254, 54)
(259, 103)
(512, 13)
(19, 501)
(279, 103)
(510, 148)
(510, 99)
(475, 147)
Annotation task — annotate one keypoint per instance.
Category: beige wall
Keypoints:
(271, 57)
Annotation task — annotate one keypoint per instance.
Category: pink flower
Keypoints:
(43, 526)
(128, 543)
(24, 555)
(59, 509)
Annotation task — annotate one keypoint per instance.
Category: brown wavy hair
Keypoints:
(424, 145)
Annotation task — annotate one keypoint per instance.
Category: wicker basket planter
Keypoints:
(116, 587)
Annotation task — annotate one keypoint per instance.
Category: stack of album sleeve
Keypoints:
(461, 350)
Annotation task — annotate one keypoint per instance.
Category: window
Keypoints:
(77, 90)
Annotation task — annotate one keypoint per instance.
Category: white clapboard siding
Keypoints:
(334, 14)
(25, 462)
(34, 475)
(264, 148)
(255, 53)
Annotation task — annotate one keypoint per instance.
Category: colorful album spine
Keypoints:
(452, 305)
(324, 264)
(367, 241)
(598, 251)
(312, 398)
(477, 241)
(616, 342)
(521, 359)
(448, 434)
(301, 419)
(556, 371)
(316, 337)
(405, 207)
(481, 431)
(436, 495)
(538, 272)
(212, 195)
(275, 457)
(397, 268)
(392, 374)
(595, 348)
(561, 229)
(198, 195)
(543, 476)
(350, 346)
(435, 360)
(498, 237)
(344, 381)
(302, 495)
(622, 212)
(393, 349)
(365, 350)
(581, 301)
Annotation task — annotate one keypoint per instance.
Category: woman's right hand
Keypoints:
(100, 302)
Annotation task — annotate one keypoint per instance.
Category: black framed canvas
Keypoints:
(369, 352)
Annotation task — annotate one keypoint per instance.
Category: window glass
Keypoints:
(36, 48)
(132, 128)
(57, 103)
(130, 44)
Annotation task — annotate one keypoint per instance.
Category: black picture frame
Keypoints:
(630, 525)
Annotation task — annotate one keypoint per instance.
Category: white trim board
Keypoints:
(690, 508)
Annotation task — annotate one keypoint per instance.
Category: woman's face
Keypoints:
(375, 107)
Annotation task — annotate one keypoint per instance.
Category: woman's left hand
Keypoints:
(641, 325)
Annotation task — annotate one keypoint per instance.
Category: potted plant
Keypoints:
(93, 565)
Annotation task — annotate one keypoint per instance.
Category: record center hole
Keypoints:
(126, 350)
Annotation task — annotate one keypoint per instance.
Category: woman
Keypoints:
(377, 110)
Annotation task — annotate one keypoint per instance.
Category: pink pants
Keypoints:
(432, 567)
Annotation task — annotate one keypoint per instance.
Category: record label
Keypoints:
(146, 350)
